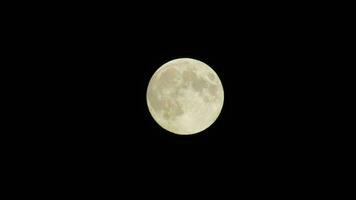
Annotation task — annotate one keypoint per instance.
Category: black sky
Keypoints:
(94, 68)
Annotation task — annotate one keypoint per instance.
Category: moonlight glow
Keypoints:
(185, 96)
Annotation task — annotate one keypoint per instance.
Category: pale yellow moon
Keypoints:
(185, 96)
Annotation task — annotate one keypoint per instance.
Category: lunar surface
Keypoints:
(185, 96)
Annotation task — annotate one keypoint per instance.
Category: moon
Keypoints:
(185, 96)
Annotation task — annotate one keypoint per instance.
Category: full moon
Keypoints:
(185, 96)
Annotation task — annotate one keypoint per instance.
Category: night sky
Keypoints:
(94, 69)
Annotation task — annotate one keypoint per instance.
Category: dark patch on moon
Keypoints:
(211, 76)
(171, 109)
(189, 76)
(213, 90)
(168, 77)
(199, 84)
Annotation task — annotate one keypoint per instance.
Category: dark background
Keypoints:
(92, 67)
